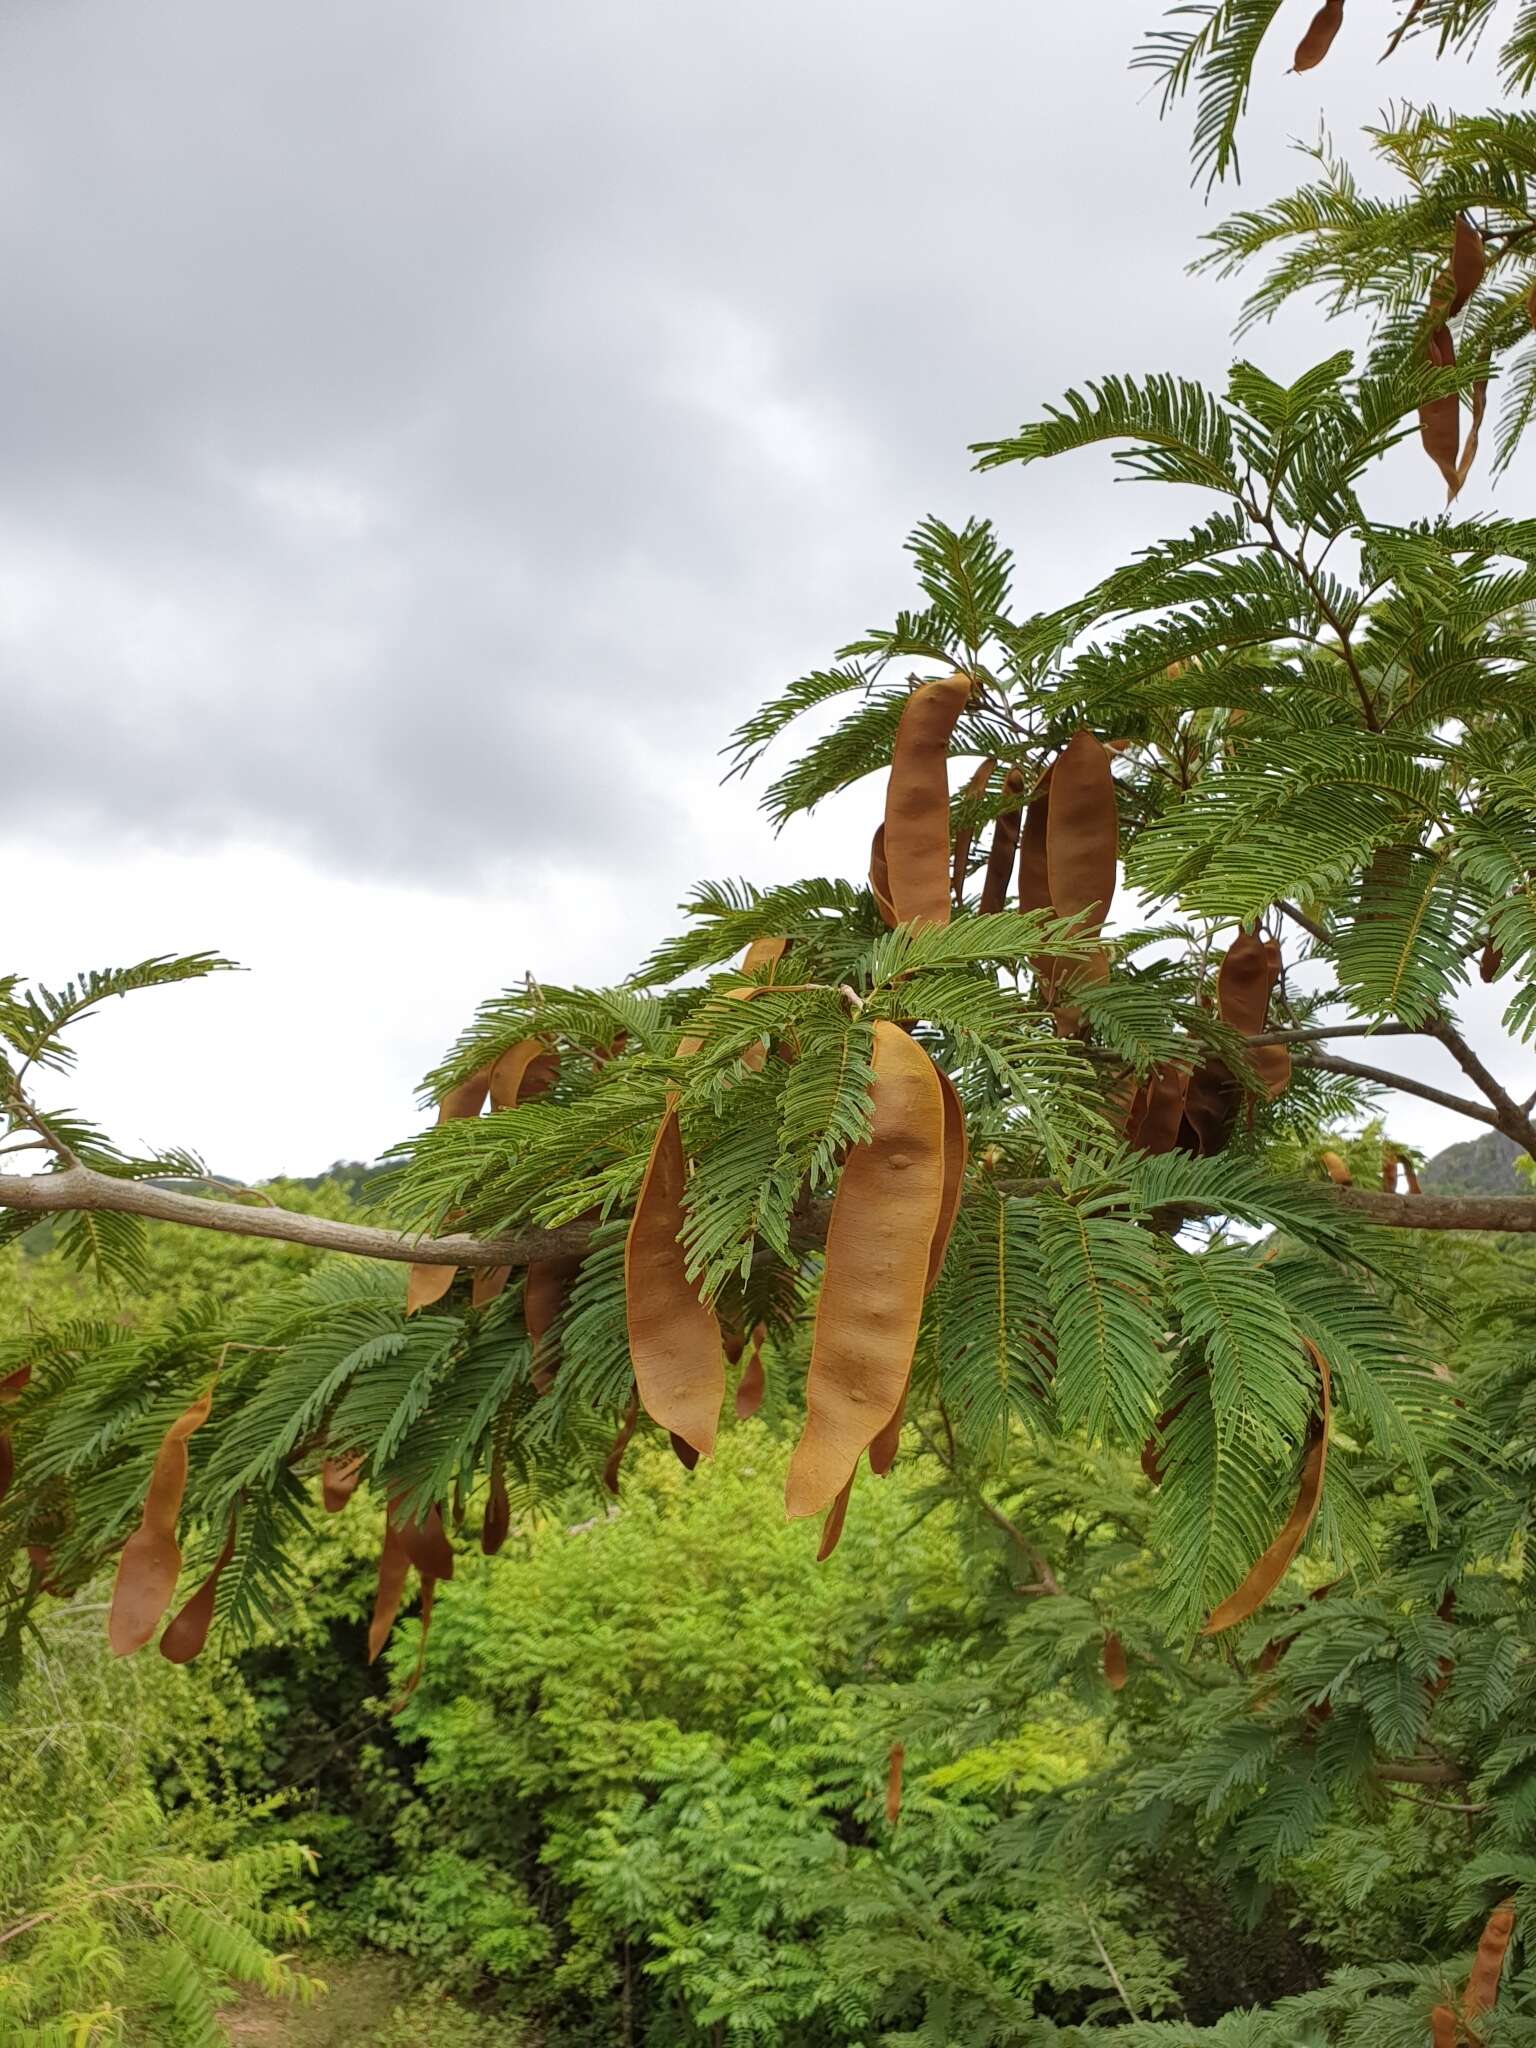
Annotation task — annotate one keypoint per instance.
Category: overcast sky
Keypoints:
(430, 425)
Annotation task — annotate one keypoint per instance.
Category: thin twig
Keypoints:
(1114, 1974)
(1331, 1063)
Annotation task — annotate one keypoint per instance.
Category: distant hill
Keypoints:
(1477, 1166)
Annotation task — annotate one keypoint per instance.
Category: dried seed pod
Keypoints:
(1162, 1109)
(425, 1542)
(151, 1558)
(832, 1527)
(339, 1480)
(974, 790)
(1488, 1966)
(1442, 2027)
(682, 1450)
(1491, 961)
(488, 1282)
(1318, 40)
(1151, 1462)
(879, 1242)
(917, 802)
(428, 1284)
(882, 1451)
(394, 1569)
(523, 1071)
(880, 878)
(1005, 841)
(620, 1443)
(1468, 454)
(1410, 1178)
(1440, 418)
(1272, 1567)
(1034, 873)
(752, 1384)
(1389, 1166)
(188, 1633)
(1336, 1170)
(545, 1289)
(893, 1771)
(956, 1158)
(1082, 836)
(428, 1594)
(497, 1520)
(674, 1339)
(1210, 1109)
(763, 953)
(1116, 1668)
(1468, 262)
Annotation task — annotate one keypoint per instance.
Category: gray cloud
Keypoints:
(413, 412)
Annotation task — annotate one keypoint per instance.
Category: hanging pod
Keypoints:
(497, 1519)
(884, 1218)
(880, 879)
(1113, 1659)
(916, 845)
(1318, 40)
(1272, 1567)
(752, 1385)
(893, 1773)
(425, 1541)
(971, 795)
(151, 1558)
(1082, 846)
(620, 1443)
(1482, 1989)
(523, 1071)
(188, 1633)
(339, 1480)
(427, 1284)
(394, 1570)
(1005, 841)
(837, 1515)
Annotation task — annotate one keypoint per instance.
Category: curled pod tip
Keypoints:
(1005, 842)
(339, 1479)
(1318, 40)
(620, 1444)
(832, 1527)
(188, 1633)
(1276, 1561)
(425, 1542)
(150, 1562)
(394, 1569)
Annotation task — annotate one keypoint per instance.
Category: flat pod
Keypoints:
(151, 1558)
(1162, 1109)
(1440, 418)
(893, 1772)
(879, 1241)
(674, 1340)
(957, 1155)
(1005, 841)
(1318, 40)
(1210, 1109)
(1336, 1170)
(188, 1633)
(1243, 983)
(1468, 262)
(753, 1382)
(394, 1569)
(880, 878)
(917, 852)
(1482, 1989)
(1272, 1567)
(832, 1527)
(428, 1284)
(1113, 1659)
(425, 1542)
(497, 1520)
(339, 1480)
(545, 1290)
(620, 1444)
(523, 1071)
(1082, 839)
(973, 792)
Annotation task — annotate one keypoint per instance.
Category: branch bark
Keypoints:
(80, 1188)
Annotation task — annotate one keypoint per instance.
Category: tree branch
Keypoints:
(1509, 1117)
(81, 1188)
(1331, 1063)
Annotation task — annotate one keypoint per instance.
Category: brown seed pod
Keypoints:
(545, 1289)
(488, 1282)
(187, 1634)
(1318, 40)
(428, 1594)
(1005, 841)
(882, 1451)
(880, 878)
(1210, 1109)
(151, 1558)
(832, 1527)
(879, 1241)
(1151, 1462)
(1468, 262)
(917, 802)
(339, 1480)
(1488, 1966)
(1162, 1109)
(1468, 454)
(893, 1770)
(974, 790)
(394, 1569)
(1491, 961)
(1082, 837)
(1116, 1668)
(674, 1339)
(763, 953)
(752, 1384)
(1272, 1567)
(427, 1284)
(1442, 2027)
(524, 1070)
(425, 1542)
(1336, 1170)
(1440, 418)
(682, 1450)
(1389, 1166)
(620, 1443)
(1410, 1178)
(497, 1520)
